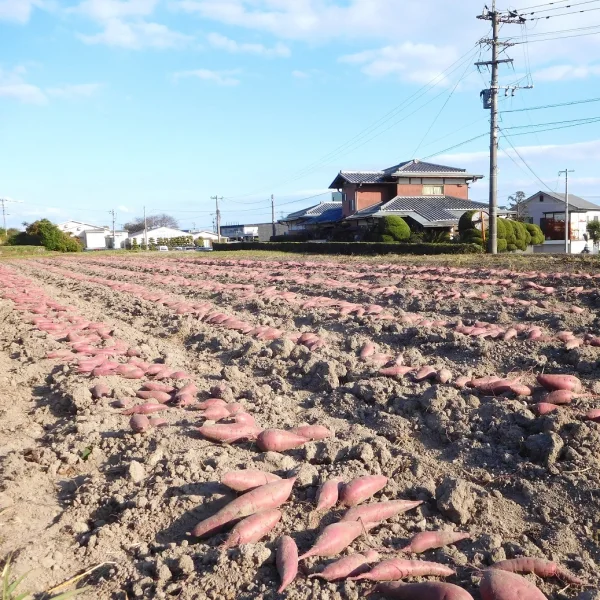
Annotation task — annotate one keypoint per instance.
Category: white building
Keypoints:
(208, 236)
(157, 233)
(547, 209)
(77, 228)
(94, 239)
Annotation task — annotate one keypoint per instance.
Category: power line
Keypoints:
(519, 10)
(524, 161)
(582, 121)
(535, 12)
(456, 146)
(594, 120)
(573, 12)
(351, 144)
(562, 37)
(441, 110)
(558, 31)
(552, 105)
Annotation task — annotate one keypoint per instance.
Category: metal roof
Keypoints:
(574, 201)
(313, 211)
(331, 215)
(430, 209)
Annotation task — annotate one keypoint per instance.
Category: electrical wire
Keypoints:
(456, 145)
(539, 5)
(524, 161)
(590, 122)
(535, 12)
(562, 37)
(544, 33)
(582, 121)
(573, 12)
(588, 100)
(351, 144)
(441, 110)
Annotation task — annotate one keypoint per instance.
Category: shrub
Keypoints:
(511, 237)
(521, 235)
(44, 233)
(435, 236)
(502, 245)
(472, 236)
(466, 221)
(537, 235)
(388, 230)
(354, 248)
(501, 229)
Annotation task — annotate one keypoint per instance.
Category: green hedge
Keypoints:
(353, 248)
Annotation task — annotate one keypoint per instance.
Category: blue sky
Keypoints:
(120, 104)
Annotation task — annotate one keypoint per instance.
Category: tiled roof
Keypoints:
(417, 166)
(364, 176)
(433, 209)
(313, 211)
(574, 201)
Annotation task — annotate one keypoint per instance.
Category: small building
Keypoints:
(320, 216)
(94, 239)
(255, 232)
(77, 228)
(547, 209)
(162, 233)
(427, 195)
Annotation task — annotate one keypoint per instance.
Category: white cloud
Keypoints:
(71, 92)
(14, 86)
(216, 40)
(124, 209)
(300, 74)
(224, 78)
(136, 35)
(104, 10)
(16, 11)
(415, 62)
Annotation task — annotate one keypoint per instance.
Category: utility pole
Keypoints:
(4, 201)
(112, 212)
(145, 230)
(273, 214)
(490, 101)
(567, 224)
(216, 199)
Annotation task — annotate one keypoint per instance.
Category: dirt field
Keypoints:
(79, 489)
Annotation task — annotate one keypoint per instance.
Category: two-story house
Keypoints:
(426, 195)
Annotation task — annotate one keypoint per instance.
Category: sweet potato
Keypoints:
(544, 408)
(100, 391)
(154, 386)
(594, 415)
(559, 382)
(243, 418)
(429, 540)
(228, 434)
(157, 395)
(430, 590)
(367, 350)
(287, 561)
(328, 494)
(444, 376)
(210, 402)
(216, 413)
(540, 567)
(265, 497)
(278, 440)
(358, 490)
(503, 585)
(395, 569)
(380, 511)
(349, 566)
(561, 397)
(242, 481)
(253, 528)
(312, 432)
(139, 423)
(396, 371)
(335, 538)
(462, 381)
(157, 422)
(425, 373)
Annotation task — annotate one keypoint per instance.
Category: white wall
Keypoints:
(94, 240)
(159, 232)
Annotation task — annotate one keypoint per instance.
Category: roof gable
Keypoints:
(417, 166)
(574, 201)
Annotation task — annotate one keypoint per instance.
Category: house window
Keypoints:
(433, 190)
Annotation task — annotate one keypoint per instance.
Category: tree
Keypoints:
(537, 235)
(44, 233)
(517, 203)
(593, 229)
(153, 221)
(7, 233)
(135, 245)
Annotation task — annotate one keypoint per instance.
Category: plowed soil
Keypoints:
(79, 490)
